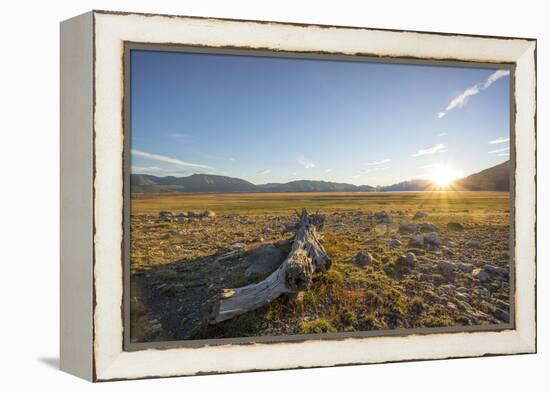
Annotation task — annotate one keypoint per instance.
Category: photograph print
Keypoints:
(283, 198)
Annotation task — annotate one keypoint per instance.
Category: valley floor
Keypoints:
(400, 260)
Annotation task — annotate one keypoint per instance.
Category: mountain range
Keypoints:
(496, 178)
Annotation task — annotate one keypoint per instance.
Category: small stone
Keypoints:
(465, 267)
(428, 227)
(455, 226)
(499, 272)
(485, 293)
(407, 228)
(447, 268)
(481, 275)
(393, 243)
(236, 246)
(263, 259)
(410, 258)
(447, 252)
(432, 238)
(417, 240)
(382, 216)
(363, 258)
(473, 244)
(420, 214)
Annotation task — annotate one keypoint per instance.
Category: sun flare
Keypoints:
(443, 176)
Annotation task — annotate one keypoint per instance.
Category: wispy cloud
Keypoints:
(375, 169)
(379, 162)
(157, 171)
(180, 135)
(328, 170)
(496, 151)
(265, 172)
(231, 159)
(307, 164)
(501, 139)
(460, 100)
(442, 134)
(495, 76)
(439, 148)
(170, 160)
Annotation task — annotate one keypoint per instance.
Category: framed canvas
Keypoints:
(245, 195)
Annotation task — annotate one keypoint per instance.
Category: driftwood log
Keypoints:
(295, 274)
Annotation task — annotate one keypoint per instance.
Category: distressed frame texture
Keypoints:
(106, 357)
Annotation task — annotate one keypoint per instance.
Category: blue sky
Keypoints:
(275, 120)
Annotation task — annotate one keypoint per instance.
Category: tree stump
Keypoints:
(295, 274)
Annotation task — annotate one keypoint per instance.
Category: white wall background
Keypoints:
(29, 194)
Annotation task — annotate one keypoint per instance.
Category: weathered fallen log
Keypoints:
(295, 274)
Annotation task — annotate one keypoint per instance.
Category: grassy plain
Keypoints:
(177, 270)
(282, 203)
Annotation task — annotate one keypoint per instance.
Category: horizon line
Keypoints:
(325, 181)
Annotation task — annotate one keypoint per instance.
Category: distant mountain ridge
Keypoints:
(409, 185)
(496, 178)
(193, 183)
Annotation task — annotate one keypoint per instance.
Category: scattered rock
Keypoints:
(491, 273)
(473, 244)
(420, 214)
(382, 216)
(363, 258)
(263, 259)
(407, 260)
(166, 216)
(455, 226)
(481, 274)
(407, 228)
(236, 246)
(484, 293)
(417, 240)
(410, 258)
(428, 227)
(432, 238)
(498, 273)
(465, 267)
(452, 244)
(393, 243)
(447, 268)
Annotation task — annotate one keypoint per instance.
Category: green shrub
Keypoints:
(416, 305)
(331, 277)
(348, 317)
(317, 326)
(372, 299)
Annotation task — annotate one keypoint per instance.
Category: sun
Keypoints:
(442, 175)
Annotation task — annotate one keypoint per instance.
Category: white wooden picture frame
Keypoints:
(92, 193)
